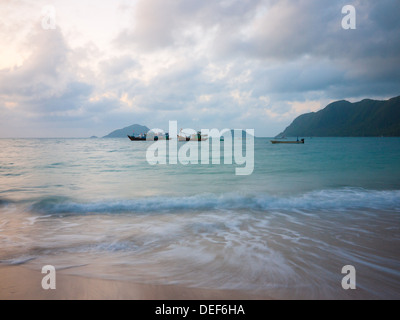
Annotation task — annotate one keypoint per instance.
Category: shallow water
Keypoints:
(95, 207)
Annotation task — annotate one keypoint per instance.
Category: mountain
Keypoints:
(366, 118)
(122, 133)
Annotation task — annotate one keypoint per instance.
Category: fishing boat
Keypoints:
(198, 136)
(139, 138)
(288, 141)
(150, 137)
(193, 137)
(183, 138)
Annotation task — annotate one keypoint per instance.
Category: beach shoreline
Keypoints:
(22, 283)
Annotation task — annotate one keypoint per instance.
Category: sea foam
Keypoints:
(335, 199)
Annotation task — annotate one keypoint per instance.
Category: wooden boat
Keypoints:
(198, 137)
(144, 137)
(182, 138)
(290, 142)
(140, 138)
(193, 137)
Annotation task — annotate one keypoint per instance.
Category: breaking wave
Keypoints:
(338, 199)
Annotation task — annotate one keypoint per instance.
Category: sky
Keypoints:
(92, 66)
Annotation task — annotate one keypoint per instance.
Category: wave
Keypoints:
(338, 199)
(4, 202)
(17, 261)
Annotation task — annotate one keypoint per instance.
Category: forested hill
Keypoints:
(367, 118)
(133, 129)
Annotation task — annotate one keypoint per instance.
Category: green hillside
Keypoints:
(122, 133)
(367, 118)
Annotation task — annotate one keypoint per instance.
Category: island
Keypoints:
(135, 129)
(366, 118)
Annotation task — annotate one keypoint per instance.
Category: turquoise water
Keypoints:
(96, 207)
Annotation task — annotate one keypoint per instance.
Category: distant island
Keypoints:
(137, 129)
(366, 118)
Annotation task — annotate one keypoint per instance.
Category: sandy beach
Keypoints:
(20, 283)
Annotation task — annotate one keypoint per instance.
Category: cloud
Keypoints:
(276, 33)
(162, 24)
(117, 65)
(46, 81)
(229, 63)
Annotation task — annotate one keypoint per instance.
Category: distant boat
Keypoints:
(290, 142)
(198, 137)
(150, 137)
(193, 137)
(139, 138)
(182, 137)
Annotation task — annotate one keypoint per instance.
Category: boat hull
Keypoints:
(136, 138)
(287, 142)
(193, 138)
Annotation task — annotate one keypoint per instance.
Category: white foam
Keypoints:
(18, 260)
(335, 199)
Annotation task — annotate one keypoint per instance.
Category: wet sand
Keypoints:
(21, 283)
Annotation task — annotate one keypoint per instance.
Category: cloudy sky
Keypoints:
(205, 63)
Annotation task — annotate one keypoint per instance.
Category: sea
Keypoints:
(97, 208)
